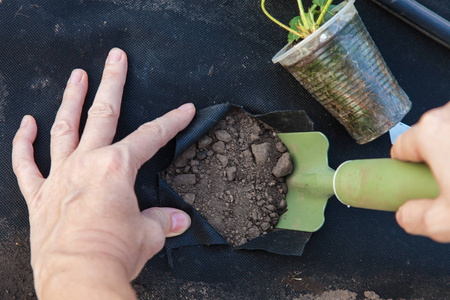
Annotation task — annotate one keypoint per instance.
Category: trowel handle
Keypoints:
(383, 184)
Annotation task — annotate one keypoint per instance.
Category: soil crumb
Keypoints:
(331, 295)
(234, 176)
(371, 295)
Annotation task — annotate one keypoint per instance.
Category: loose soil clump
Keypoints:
(234, 177)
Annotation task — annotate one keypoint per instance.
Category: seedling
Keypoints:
(332, 55)
(305, 23)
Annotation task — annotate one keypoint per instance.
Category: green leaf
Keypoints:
(295, 21)
(292, 37)
(320, 2)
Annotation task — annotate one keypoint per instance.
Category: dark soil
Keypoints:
(15, 270)
(234, 176)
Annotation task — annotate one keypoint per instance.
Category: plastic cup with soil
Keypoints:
(234, 177)
(341, 67)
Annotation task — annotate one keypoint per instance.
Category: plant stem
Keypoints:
(311, 17)
(278, 22)
(302, 13)
(323, 12)
(302, 29)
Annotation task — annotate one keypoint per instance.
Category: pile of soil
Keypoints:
(234, 176)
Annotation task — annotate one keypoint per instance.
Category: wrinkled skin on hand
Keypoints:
(428, 141)
(85, 214)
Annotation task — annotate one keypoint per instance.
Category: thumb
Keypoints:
(173, 221)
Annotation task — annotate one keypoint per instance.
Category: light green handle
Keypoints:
(383, 184)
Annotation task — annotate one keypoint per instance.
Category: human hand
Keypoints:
(87, 234)
(428, 141)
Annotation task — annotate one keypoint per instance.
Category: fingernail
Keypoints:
(180, 222)
(24, 121)
(187, 106)
(114, 55)
(75, 76)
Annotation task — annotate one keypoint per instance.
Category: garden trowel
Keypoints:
(381, 184)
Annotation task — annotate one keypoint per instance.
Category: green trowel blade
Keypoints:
(311, 183)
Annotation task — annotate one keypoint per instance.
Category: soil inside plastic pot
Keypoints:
(234, 177)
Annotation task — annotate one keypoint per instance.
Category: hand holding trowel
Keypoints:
(381, 184)
(367, 102)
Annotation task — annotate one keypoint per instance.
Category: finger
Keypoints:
(150, 137)
(103, 115)
(407, 147)
(426, 217)
(428, 141)
(65, 129)
(419, 142)
(172, 221)
(29, 177)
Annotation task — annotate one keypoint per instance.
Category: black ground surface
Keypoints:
(215, 52)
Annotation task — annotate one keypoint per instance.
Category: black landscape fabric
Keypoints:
(216, 54)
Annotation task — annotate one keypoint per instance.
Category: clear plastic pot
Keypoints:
(341, 67)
